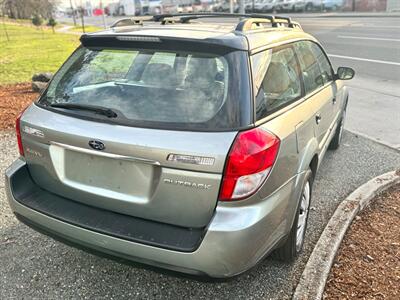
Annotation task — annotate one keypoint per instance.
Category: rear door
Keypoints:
(328, 78)
(162, 156)
(317, 88)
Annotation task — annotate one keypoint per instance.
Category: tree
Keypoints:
(52, 23)
(24, 9)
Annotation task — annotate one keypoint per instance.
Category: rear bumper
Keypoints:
(239, 235)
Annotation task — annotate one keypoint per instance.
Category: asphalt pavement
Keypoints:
(35, 266)
(371, 46)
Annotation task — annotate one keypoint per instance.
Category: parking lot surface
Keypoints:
(35, 266)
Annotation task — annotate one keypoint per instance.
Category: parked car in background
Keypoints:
(332, 5)
(171, 9)
(197, 6)
(289, 5)
(311, 5)
(225, 6)
(299, 5)
(248, 5)
(185, 8)
(265, 6)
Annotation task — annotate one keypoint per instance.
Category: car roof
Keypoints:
(228, 33)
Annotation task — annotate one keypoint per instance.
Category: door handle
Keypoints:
(334, 100)
(318, 118)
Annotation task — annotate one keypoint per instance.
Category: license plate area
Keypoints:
(109, 177)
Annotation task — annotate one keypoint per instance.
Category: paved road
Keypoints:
(34, 266)
(372, 47)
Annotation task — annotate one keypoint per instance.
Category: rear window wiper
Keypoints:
(108, 112)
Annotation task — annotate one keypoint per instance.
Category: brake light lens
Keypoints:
(18, 131)
(249, 162)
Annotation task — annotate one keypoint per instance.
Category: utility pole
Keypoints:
(103, 15)
(252, 8)
(231, 6)
(73, 12)
(82, 19)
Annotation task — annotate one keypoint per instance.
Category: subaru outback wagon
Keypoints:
(183, 144)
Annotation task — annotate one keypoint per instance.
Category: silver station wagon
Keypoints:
(181, 142)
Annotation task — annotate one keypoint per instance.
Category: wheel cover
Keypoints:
(303, 214)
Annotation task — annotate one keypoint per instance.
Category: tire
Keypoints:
(294, 242)
(337, 138)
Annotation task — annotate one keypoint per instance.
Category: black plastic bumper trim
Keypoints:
(134, 229)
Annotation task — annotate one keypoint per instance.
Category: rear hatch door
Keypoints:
(159, 151)
(162, 175)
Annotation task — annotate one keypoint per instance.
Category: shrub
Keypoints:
(37, 20)
(52, 23)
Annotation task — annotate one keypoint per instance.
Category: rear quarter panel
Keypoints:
(295, 128)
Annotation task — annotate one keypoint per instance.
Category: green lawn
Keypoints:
(88, 28)
(32, 50)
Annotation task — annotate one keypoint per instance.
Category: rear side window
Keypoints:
(323, 62)
(314, 65)
(154, 88)
(276, 79)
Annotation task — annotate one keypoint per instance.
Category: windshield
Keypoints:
(151, 87)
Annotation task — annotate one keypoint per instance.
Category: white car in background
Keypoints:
(290, 5)
(265, 6)
(312, 5)
(333, 5)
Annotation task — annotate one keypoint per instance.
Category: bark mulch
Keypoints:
(368, 263)
(13, 99)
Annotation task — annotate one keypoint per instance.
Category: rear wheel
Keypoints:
(337, 138)
(294, 243)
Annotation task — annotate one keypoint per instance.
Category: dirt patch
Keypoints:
(13, 99)
(368, 262)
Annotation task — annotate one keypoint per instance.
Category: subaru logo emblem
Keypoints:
(97, 145)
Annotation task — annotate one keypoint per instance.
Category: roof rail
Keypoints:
(275, 21)
(131, 21)
(246, 23)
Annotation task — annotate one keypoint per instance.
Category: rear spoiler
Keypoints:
(112, 39)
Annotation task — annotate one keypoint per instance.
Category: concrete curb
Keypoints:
(315, 274)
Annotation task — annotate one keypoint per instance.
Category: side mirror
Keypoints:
(345, 73)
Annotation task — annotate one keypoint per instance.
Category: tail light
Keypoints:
(18, 131)
(249, 162)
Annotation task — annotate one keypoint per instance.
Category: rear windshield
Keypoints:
(153, 88)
